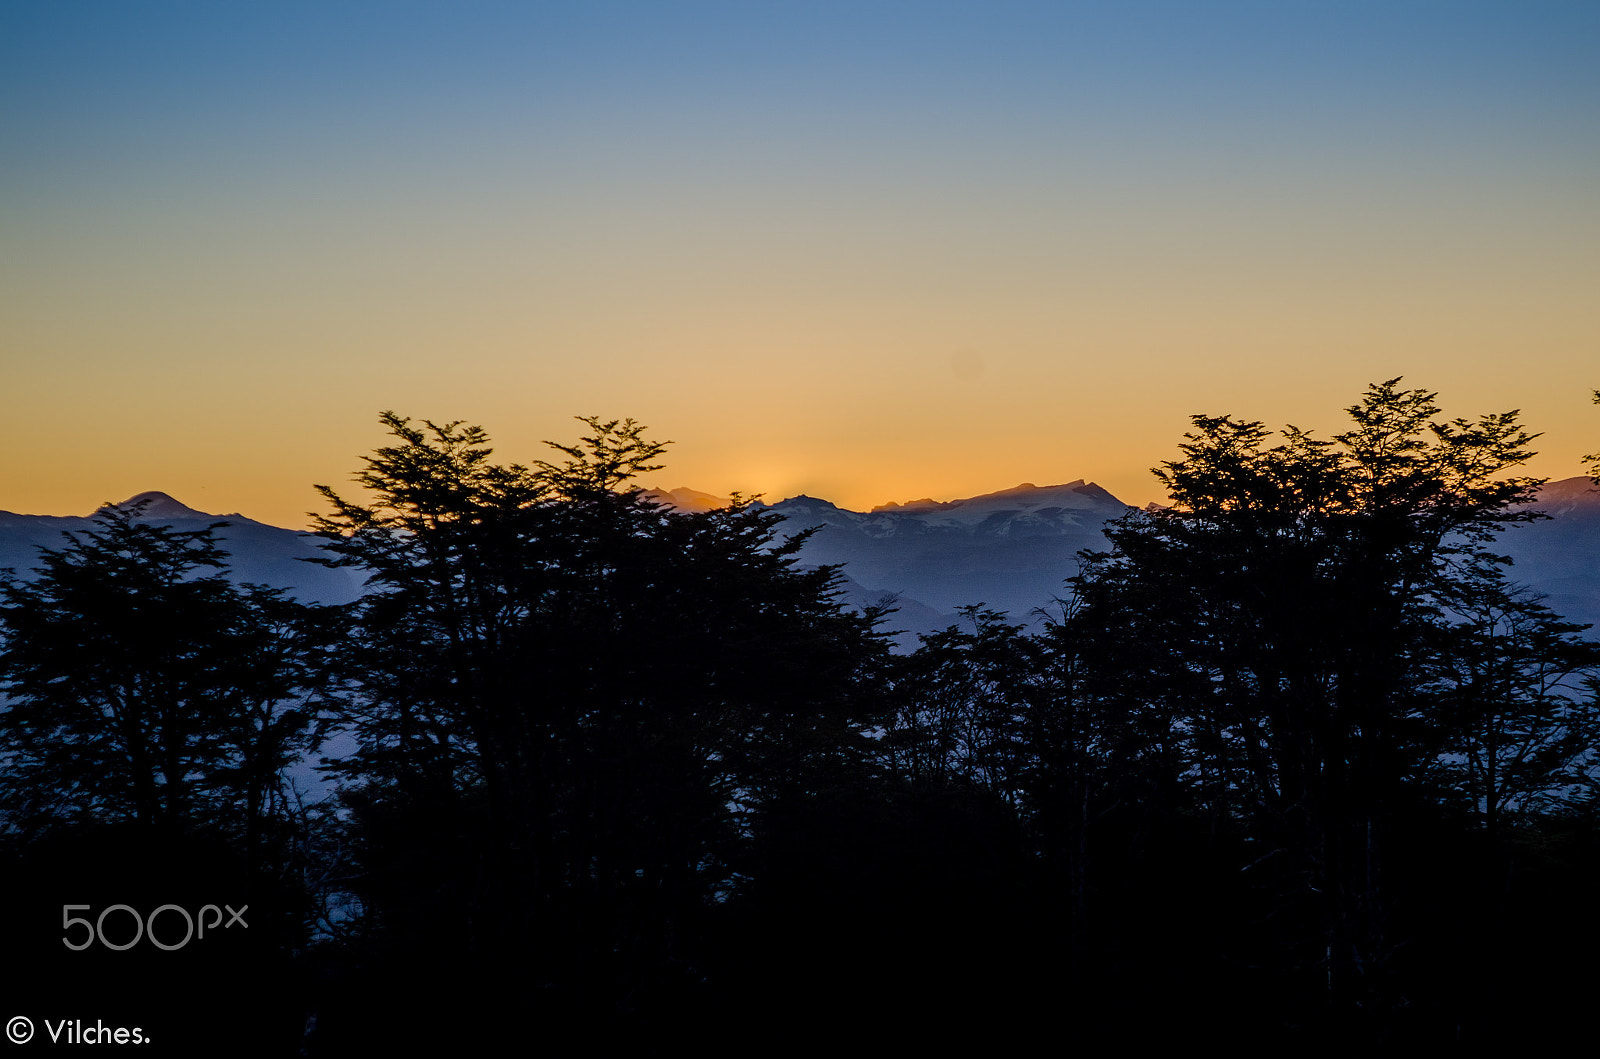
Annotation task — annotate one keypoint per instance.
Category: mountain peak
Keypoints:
(159, 505)
(1568, 495)
(685, 499)
(1027, 494)
(803, 502)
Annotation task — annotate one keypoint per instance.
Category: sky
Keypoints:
(868, 251)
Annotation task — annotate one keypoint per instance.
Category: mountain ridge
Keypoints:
(1011, 550)
(257, 553)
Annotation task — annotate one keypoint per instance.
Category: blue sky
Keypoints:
(868, 251)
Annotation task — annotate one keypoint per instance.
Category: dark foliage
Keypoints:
(1295, 763)
(572, 701)
(1313, 651)
(142, 686)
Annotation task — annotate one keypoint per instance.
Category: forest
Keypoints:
(1294, 761)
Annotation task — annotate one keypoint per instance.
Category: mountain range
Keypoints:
(257, 553)
(1010, 550)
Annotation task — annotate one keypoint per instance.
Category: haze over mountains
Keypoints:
(1559, 557)
(1009, 550)
(1013, 549)
(257, 553)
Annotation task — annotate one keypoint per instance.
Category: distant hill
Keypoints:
(1011, 550)
(257, 553)
(1560, 556)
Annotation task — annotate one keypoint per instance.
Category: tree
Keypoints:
(583, 693)
(1296, 587)
(143, 686)
(968, 701)
(1515, 701)
(442, 549)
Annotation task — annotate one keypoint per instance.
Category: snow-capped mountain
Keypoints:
(159, 507)
(257, 553)
(685, 499)
(1010, 550)
(1559, 556)
(1013, 550)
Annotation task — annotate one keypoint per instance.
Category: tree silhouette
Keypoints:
(1593, 459)
(1515, 703)
(1295, 587)
(578, 697)
(969, 697)
(143, 686)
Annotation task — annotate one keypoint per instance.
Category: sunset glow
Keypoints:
(866, 252)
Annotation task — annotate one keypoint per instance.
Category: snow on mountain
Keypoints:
(1013, 550)
(1569, 496)
(1026, 497)
(1010, 550)
(159, 507)
(1559, 556)
(685, 499)
(1027, 510)
(257, 553)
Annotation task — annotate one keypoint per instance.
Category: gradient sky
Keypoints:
(869, 251)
